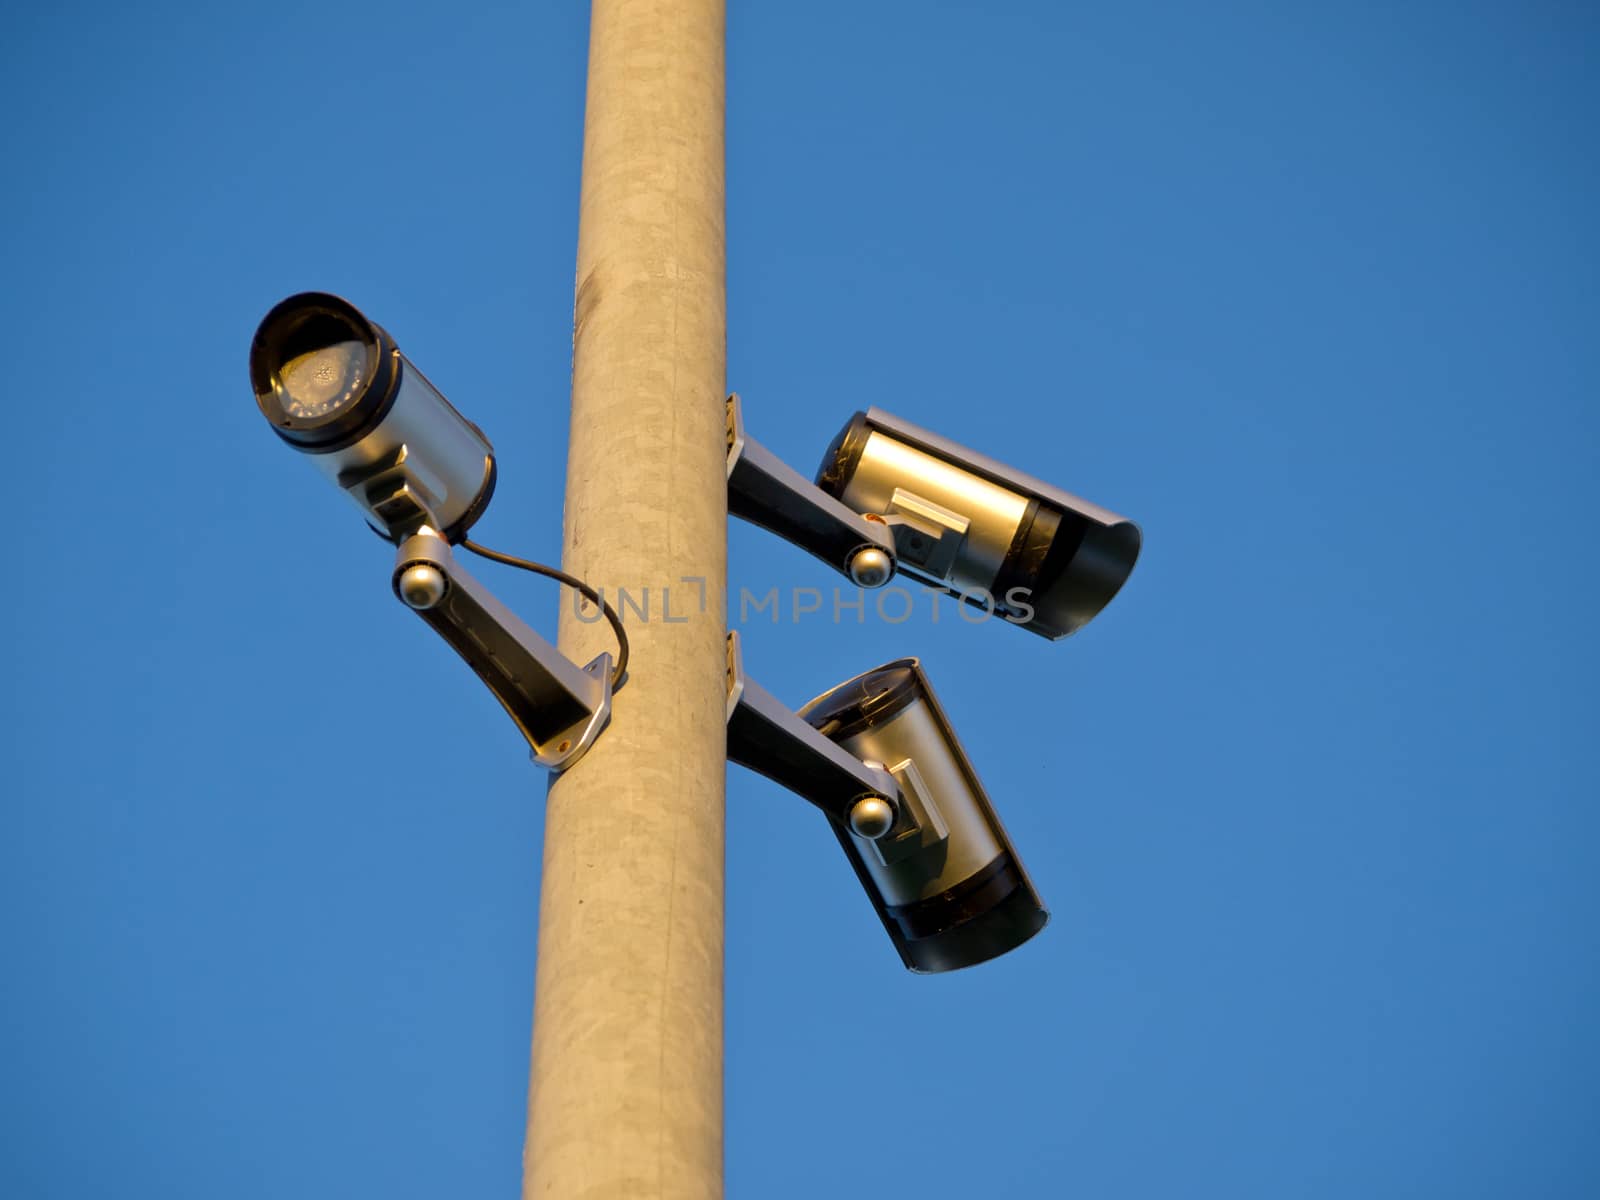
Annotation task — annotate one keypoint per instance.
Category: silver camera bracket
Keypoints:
(926, 535)
(770, 739)
(766, 491)
(391, 494)
(923, 825)
(559, 707)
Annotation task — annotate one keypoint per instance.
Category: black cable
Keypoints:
(577, 585)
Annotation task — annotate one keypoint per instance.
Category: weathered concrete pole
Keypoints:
(625, 1097)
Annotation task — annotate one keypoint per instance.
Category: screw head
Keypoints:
(870, 567)
(422, 585)
(871, 817)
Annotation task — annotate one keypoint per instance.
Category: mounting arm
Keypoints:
(766, 491)
(773, 741)
(559, 707)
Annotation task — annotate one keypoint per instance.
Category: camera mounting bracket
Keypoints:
(770, 739)
(559, 707)
(766, 491)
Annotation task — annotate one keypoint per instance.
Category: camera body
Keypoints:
(945, 879)
(1043, 558)
(336, 387)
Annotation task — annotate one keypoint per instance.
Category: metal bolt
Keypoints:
(422, 585)
(870, 567)
(871, 817)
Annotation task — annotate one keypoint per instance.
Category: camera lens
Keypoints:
(324, 368)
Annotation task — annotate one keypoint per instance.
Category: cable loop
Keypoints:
(582, 588)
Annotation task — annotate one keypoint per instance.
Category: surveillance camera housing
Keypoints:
(1043, 558)
(336, 387)
(945, 879)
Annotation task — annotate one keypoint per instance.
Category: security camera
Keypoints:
(1043, 558)
(878, 755)
(945, 877)
(336, 387)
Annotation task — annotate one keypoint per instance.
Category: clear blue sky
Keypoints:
(1310, 291)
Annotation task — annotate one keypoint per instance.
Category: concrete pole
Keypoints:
(625, 1097)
